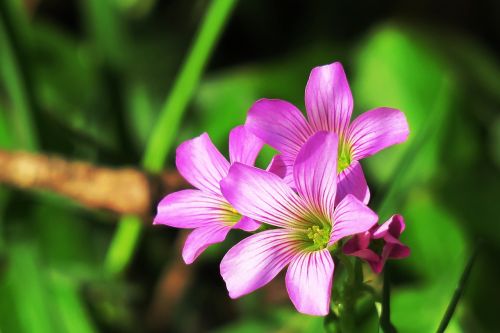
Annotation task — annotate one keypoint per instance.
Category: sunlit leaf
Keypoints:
(396, 69)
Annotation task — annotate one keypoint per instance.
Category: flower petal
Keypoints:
(398, 251)
(329, 99)
(280, 124)
(391, 251)
(375, 130)
(390, 232)
(199, 239)
(193, 209)
(263, 196)
(256, 260)
(243, 146)
(309, 282)
(352, 180)
(282, 167)
(247, 224)
(201, 164)
(377, 265)
(358, 246)
(394, 226)
(351, 217)
(357, 242)
(315, 172)
(369, 256)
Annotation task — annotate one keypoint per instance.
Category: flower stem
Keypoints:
(458, 291)
(14, 76)
(124, 242)
(164, 133)
(385, 316)
(349, 295)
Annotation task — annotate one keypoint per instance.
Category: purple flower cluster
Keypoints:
(312, 197)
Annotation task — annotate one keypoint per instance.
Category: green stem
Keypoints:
(123, 244)
(163, 135)
(385, 316)
(347, 314)
(392, 188)
(17, 129)
(458, 291)
(13, 73)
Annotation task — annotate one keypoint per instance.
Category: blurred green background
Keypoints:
(101, 81)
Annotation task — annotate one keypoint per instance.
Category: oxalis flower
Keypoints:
(379, 243)
(204, 209)
(308, 224)
(329, 107)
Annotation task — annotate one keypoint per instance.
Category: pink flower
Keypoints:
(204, 209)
(308, 224)
(389, 246)
(329, 107)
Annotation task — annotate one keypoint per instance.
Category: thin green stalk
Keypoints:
(13, 74)
(163, 135)
(385, 316)
(17, 128)
(393, 187)
(106, 29)
(165, 131)
(123, 244)
(349, 295)
(391, 197)
(458, 291)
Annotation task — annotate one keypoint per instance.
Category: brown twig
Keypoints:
(120, 190)
(170, 289)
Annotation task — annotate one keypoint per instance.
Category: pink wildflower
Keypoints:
(387, 235)
(308, 225)
(204, 209)
(329, 107)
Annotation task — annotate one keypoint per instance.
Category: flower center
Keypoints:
(230, 216)
(377, 245)
(320, 235)
(344, 157)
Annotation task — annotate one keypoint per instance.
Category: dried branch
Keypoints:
(170, 289)
(120, 190)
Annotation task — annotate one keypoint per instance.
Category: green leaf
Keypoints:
(35, 301)
(439, 251)
(27, 291)
(416, 310)
(396, 69)
(68, 87)
(6, 141)
(141, 115)
(72, 315)
(64, 237)
(478, 66)
(106, 30)
(438, 244)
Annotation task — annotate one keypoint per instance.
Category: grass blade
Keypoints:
(392, 196)
(458, 291)
(385, 316)
(165, 131)
(161, 141)
(13, 74)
